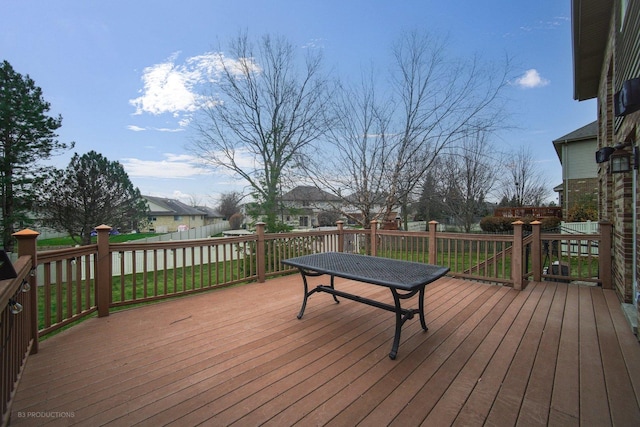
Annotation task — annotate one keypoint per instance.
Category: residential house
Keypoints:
(212, 215)
(169, 215)
(575, 151)
(302, 205)
(606, 64)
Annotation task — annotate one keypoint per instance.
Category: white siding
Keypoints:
(580, 160)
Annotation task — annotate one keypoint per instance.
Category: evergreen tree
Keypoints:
(27, 136)
(90, 192)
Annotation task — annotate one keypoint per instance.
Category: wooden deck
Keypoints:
(553, 354)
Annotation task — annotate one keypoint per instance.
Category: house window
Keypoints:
(177, 217)
(151, 218)
(304, 221)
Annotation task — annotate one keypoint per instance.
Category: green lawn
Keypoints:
(68, 241)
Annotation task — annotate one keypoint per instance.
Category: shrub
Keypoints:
(235, 221)
(580, 213)
(499, 224)
(328, 218)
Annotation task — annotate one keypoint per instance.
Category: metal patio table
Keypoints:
(404, 278)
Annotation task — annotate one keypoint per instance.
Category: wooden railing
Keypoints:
(68, 285)
(18, 327)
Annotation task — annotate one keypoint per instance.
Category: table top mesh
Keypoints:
(380, 271)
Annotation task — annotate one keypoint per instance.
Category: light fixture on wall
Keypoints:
(627, 100)
(620, 161)
(603, 154)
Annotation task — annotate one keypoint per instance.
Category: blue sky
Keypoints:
(99, 64)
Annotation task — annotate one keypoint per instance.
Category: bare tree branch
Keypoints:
(261, 114)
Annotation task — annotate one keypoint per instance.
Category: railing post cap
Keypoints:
(26, 233)
(103, 227)
(518, 222)
(433, 221)
(535, 222)
(339, 221)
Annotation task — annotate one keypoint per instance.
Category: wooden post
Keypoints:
(340, 225)
(374, 238)
(103, 271)
(27, 247)
(516, 256)
(260, 254)
(536, 251)
(433, 242)
(604, 255)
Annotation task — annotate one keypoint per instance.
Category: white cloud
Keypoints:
(174, 166)
(531, 79)
(550, 24)
(314, 44)
(167, 89)
(169, 129)
(135, 128)
(171, 87)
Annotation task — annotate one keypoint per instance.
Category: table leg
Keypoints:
(423, 323)
(402, 315)
(308, 293)
(335, 298)
(399, 322)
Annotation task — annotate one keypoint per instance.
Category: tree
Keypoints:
(90, 192)
(355, 154)
(229, 204)
(27, 136)
(260, 114)
(523, 184)
(470, 174)
(382, 146)
(441, 100)
(431, 204)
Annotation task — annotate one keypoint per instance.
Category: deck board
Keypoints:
(479, 403)
(565, 398)
(537, 397)
(594, 406)
(553, 354)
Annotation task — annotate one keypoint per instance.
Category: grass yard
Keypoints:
(68, 241)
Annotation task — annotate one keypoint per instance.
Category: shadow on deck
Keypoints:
(553, 354)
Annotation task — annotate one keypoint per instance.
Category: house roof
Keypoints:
(590, 30)
(585, 133)
(307, 193)
(210, 212)
(164, 206)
